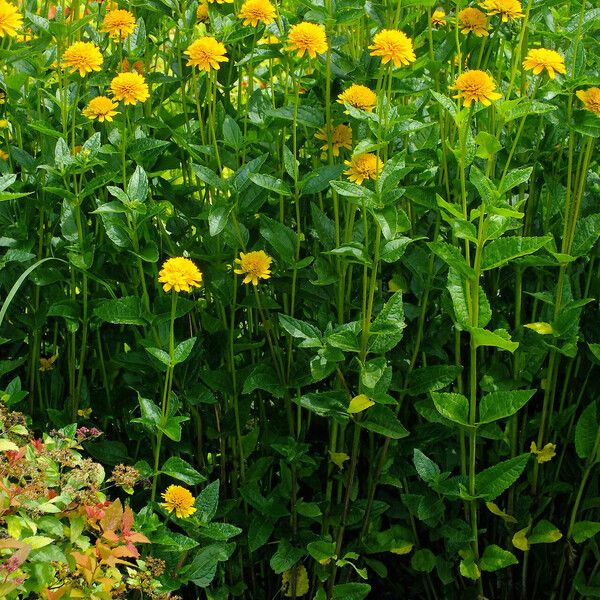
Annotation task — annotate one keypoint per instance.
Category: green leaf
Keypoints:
(387, 329)
(123, 311)
(285, 557)
(232, 133)
(207, 502)
(220, 532)
(171, 427)
(452, 406)
(161, 355)
(495, 558)
(270, 183)
(208, 176)
(586, 431)
(180, 469)
(326, 404)
(351, 591)
(280, 237)
(499, 405)
(544, 533)
(498, 338)
(382, 420)
(423, 561)
(203, 568)
(217, 218)
(137, 188)
(259, 532)
(487, 144)
(491, 482)
(584, 530)
(501, 251)
(426, 468)
(514, 178)
(183, 350)
(453, 257)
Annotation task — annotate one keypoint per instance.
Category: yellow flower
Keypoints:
(206, 54)
(101, 108)
(539, 59)
(179, 273)
(438, 18)
(476, 85)
(220, 1)
(180, 500)
(509, 10)
(118, 24)
(202, 12)
(547, 453)
(341, 137)
(129, 87)
(359, 96)
(363, 166)
(254, 12)
(3, 155)
(298, 575)
(393, 45)
(307, 37)
(590, 99)
(254, 265)
(4, 124)
(472, 20)
(47, 364)
(268, 39)
(84, 57)
(10, 19)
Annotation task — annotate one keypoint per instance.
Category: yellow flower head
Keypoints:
(118, 24)
(296, 575)
(10, 19)
(363, 166)
(47, 364)
(590, 99)
(476, 86)
(547, 453)
(472, 20)
(202, 12)
(3, 155)
(180, 274)
(254, 265)
(539, 59)
(438, 18)
(341, 137)
(129, 87)
(393, 45)
(220, 1)
(84, 57)
(359, 96)
(509, 10)
(206, 54)
(307, 37)
(254, 12)
(101, 108)
(180, 500)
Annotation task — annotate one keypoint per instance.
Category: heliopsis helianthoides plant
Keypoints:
(10, 19)
(254, 12)
(542, 59)
(590, 99)
(359, 96)
(179, 274)
(309, 38)
(339, 137)
(206, 53)
(508, 10)
(472, 20)
(393, 46)
(253, 266)
(476, 86)
(130, 88)
(101, 108)
(82, 57)
(118, 23)
(362, 167)
(179, 500)
(438, 18)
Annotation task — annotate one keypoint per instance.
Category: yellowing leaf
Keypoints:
(541, 328)
(404, 548)
(547, 453)
(338, 458)
(38, 541)
(360, 403)
(496, 510)
(7, 445)
(520, 540)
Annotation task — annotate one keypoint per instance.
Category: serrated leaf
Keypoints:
(452, 406)
(494, 480)
(495, 558)
(499, 405)
(584, 530)
(501, 251)
(586, 431)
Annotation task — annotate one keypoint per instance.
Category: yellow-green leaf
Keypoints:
(360, 403)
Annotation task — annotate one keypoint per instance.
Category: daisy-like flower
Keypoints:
(509, 10)
(220, 1)
(254, 266)
(363, 166)
(3, 155)
(472, 20)
(590, 99)
(341, 137)
(10, 19)
(307, 37)
(101, 108)
(476, 86)
(180, 274)
(539, 59)
(202, 12)
(118, 24)
(129, 87)
(438, 18)
(180, 500)
(84, 57)
(206, 54)
(545, 454)
(254, 12)
(359, 96)
(393, 45)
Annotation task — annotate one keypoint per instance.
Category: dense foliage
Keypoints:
(317, 282)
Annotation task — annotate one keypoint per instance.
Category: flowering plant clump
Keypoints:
(318, 282)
